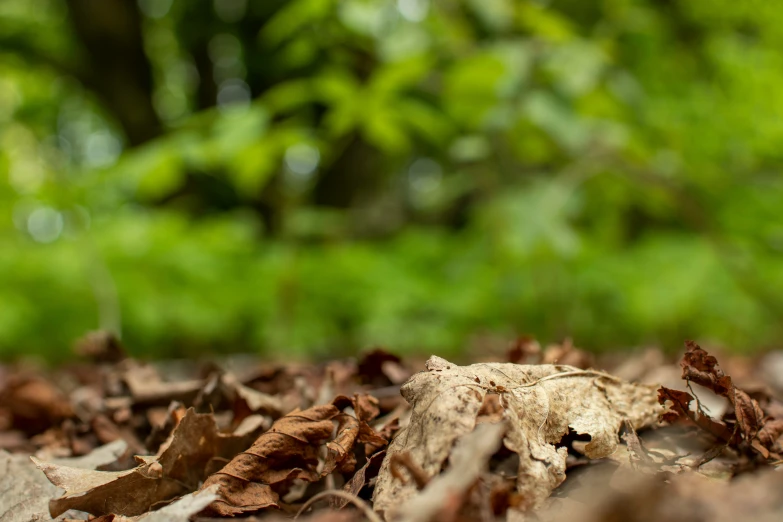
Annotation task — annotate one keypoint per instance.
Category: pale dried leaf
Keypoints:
(540, 402)
(254, 400)
(24, 492)
(469, 459)
(147, 387)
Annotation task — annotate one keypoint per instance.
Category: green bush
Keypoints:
(406, 173)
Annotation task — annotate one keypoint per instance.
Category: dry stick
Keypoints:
(699, 406)
(356, 501)
(404, 460)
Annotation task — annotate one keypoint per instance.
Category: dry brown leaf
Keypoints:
(749, 415)
(365, 409)
(179, 469)
(381, 368)
(679, 403)
(287, 451)
(147, 387)
(702, 368)
(256, 478)
(754, 428)
(33, 403)
(771, 433)
(540, 403)
(340, 450)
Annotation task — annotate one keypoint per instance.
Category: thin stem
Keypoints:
(356, 501)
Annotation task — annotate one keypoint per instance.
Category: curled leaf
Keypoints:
(702, 368)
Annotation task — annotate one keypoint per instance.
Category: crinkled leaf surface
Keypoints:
(290, 449)
(540, 402)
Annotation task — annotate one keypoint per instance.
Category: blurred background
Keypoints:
(312, 177)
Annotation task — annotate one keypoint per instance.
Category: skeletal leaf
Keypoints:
(540, 403)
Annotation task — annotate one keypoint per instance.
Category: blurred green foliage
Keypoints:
(315, 176)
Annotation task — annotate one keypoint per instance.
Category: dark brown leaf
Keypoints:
(381, 368)
(769, 435)
(750, 418)
(702, 368)
(680, 402)
(33, 403)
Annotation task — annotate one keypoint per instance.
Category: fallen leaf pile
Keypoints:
(545, 436)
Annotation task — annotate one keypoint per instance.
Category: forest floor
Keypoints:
(548, 434)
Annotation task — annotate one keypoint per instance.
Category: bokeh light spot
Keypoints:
(45, 224)
(233, 94)
(101, 149)
(413, 10)
(302, 159)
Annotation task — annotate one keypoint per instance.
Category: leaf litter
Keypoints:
(544, 436)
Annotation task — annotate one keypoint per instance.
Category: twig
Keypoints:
(356, 501)
(404, 460)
